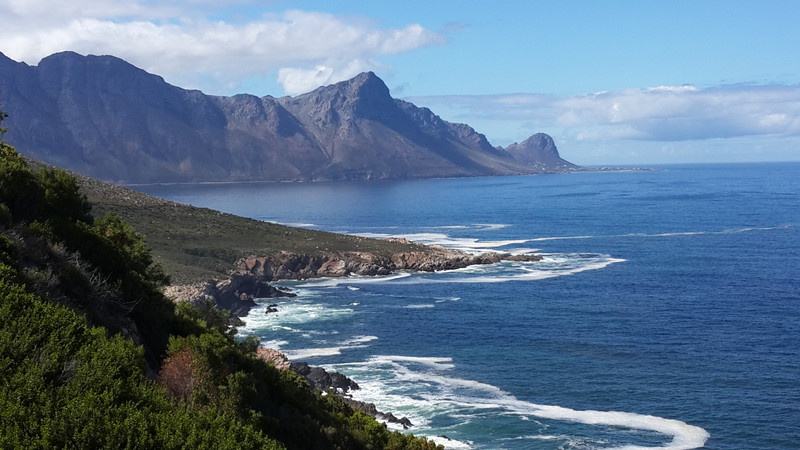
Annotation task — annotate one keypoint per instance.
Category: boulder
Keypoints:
(236, 294)
(318, 377)
(369, 408)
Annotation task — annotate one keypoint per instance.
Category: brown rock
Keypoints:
(276, 358)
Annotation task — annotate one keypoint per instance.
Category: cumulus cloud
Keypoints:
(297, 80)
(180, 42)
(665, 113)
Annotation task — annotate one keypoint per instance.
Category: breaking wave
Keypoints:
(552, 265)
(392, 381)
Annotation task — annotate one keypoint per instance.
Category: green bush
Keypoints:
(19, 189)
(62, 196)
(9, 253)
(206, 316)
(64, 384)
(5, 215)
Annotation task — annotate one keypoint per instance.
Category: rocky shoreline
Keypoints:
(319, 378)
(294, 266)
(236, 294)
(251, 277)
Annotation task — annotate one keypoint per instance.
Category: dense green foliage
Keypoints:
(66, 384)
(92, 355)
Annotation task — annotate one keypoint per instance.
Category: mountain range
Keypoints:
(105, 118)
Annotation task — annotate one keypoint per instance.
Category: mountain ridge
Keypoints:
(103, 117)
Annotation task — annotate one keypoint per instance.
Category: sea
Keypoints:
(665, 312)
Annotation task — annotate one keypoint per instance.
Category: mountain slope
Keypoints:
(103, 117)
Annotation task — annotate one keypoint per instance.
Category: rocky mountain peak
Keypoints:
(71, 61)
(538, 150)
(370, 96)
(541, 142)
(367, 84)
(104, 117)
(364, 96)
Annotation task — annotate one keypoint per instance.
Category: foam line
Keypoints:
(434, 362)
(305, 353)
(684, 436)
(317, 352)
(276, 344)
(351, 280)
(291, 316)
(360, 340)
(551, 266)
(469, 245)
(491, 226)
(560, 238)
(420, 306)
(665, 234)
(447, 442)
(474, 245)
(453, 396)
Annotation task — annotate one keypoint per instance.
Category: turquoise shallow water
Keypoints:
(666, 312)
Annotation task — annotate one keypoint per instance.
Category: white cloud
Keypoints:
(297, 80)
(665, 113)
(182, 44)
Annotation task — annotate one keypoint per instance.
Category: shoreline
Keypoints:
(580, 169)
(251, 276)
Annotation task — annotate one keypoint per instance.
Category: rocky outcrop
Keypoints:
(236, 294)
(320, 378)
(293, 266)
(101, 116)
(371, 409)
(274, 357)
(251, 275)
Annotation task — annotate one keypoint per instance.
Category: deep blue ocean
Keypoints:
(666, 311)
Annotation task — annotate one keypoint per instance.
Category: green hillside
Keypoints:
(195, 244)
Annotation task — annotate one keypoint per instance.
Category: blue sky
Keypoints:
(614, 82)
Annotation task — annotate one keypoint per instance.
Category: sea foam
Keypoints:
(316, 352)
(394, 381)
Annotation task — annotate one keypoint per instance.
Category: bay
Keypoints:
(666, 311)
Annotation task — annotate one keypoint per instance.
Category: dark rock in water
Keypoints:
(369, 408)
(523, 257)
(236, 295)
(320, 378)
(405, 422)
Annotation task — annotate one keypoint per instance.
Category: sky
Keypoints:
(615, 82)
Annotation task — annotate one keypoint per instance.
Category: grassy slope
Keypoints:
(195, 244)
